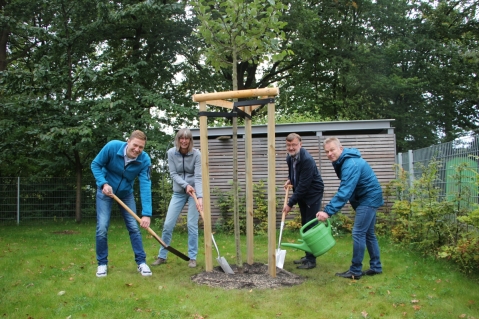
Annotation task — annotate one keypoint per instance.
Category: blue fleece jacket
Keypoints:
(108, 167)
(358, 184)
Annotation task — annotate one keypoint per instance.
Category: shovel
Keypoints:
(152, 233)
(281, 254)
(221, 260)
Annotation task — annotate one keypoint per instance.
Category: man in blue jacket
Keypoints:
(115, 168)
(361, 187)
(308, 188)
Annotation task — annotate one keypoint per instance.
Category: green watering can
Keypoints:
(317, 240)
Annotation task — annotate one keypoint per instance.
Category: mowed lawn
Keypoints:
(48, 271)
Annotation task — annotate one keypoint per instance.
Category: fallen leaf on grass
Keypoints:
(364, 313)
(61, 293)
(416, 307)
(462, 316)
(129, 285)
(414, 301)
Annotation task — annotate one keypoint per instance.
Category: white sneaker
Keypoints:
(144, 269)
(101, 271)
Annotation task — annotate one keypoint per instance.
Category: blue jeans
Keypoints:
(178, 201)
(103, 213)
(364, 237)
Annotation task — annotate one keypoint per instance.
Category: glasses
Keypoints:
(292, 145)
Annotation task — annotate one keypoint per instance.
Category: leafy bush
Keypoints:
(435, 226)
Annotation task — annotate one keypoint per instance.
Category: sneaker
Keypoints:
(349, 274)
(101, 271)
(144, 269)
(192, 263)
(371, 272)
(158, 261)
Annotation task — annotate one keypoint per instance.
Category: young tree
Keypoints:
(237, 31)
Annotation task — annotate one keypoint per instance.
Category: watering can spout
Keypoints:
(302, 246)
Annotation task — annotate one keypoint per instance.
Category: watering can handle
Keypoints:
(310, 222)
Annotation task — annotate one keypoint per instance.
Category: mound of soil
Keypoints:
(252, 276)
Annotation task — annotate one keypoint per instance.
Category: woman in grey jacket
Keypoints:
(184, 163)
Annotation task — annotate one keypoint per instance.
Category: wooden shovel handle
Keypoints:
(286, 201)
(138, 219)
(152, 233)
(198, 204)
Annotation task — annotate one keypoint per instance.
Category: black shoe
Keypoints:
(307, 265)
(299, 261)
(371, 272)
(348, 274)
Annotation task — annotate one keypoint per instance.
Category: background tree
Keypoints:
(92, 72)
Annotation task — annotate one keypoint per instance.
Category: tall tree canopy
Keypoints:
(74, 75)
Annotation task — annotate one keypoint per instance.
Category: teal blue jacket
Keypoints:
(359, 185)
(108, 167)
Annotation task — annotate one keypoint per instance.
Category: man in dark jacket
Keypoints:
(360, 186)
(308, 188)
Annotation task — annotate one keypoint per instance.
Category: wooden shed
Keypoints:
(375, 139)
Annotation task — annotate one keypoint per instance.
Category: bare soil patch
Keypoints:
(253, 276)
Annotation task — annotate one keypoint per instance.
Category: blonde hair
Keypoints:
(332, 139)
(184, 132)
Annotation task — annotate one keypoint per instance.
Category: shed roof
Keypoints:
(309, 128)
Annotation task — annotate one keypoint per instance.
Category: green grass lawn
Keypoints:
(48, 271)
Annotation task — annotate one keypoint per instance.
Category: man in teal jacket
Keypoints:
(115, 169)
(360, 186)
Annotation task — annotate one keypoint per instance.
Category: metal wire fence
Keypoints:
(449, 155)
(23, 198)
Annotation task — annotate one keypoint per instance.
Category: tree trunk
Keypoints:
(79, 177)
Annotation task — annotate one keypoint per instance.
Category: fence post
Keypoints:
(18, 200)
(411, 167)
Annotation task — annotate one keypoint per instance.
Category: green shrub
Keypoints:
(434, 226)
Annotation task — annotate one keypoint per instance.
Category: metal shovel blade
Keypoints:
(221, 260)
(280, 256)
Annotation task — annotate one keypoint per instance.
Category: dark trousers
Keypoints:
(308, 213)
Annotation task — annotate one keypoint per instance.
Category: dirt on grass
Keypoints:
(252, 276)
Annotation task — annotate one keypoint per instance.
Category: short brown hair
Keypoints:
(184, 132)
(292, 136)
(139, 135)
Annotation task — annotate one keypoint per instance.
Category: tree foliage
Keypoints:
(74, 75)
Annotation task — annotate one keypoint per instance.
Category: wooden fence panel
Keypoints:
(377, 149)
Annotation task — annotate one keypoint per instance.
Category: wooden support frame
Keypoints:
(219, 99)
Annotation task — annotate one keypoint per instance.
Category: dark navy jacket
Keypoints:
(308, 186)
(359, 185)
